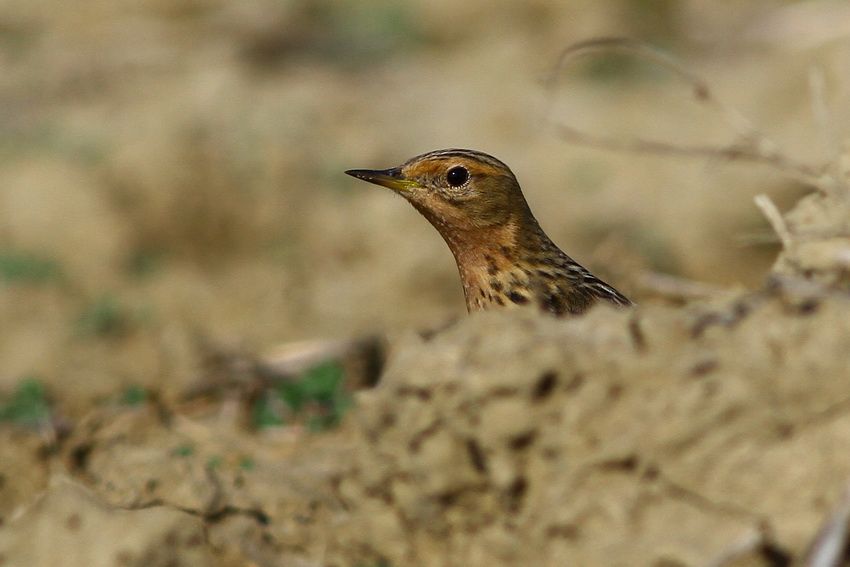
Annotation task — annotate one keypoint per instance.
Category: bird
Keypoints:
(503, 256)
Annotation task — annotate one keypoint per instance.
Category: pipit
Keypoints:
(503, 256)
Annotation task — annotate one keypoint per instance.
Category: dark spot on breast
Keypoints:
(506, 251)
(517, 298)
(500, 300)
(496, 285)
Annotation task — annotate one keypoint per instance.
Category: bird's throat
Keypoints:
(484, 256)
(488, 256)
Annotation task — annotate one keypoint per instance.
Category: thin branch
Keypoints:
(821, 114)
(676, 288)
(754, 146)
(830, 544)
(774, 217)
(824, 119)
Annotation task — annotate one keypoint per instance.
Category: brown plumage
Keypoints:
(503, 256)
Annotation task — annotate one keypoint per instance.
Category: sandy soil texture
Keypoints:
(655, 437)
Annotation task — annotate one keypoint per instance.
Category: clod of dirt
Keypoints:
(658, 437)
(817, 243)
(70, 526)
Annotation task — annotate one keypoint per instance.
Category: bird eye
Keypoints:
(457, 176)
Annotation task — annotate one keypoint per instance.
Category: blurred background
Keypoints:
(171, 170)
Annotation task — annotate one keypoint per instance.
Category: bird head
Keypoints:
(456, 190)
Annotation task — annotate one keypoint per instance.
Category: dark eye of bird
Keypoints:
(457, 176)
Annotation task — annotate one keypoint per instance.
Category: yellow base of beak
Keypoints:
(391, 178)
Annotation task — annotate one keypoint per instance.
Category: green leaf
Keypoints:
(264, 413)
(321, 382)
(184, 451)
(134, 396)
(318, 399)
(145, 262)
(28, 405)
(104, 317)
(27, 268)
(293, 394)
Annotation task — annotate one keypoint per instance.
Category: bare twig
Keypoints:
(820, 110)
(774, 217)
(757, 238)
(676, 288)
(825, 122)
(830, 545)
(752, 146)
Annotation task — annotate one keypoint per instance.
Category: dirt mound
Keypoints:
(659, 436)
(816, 239)
(649, 438)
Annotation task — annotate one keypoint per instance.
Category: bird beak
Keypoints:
(392, 178)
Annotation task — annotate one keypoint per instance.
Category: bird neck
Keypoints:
(491, 254)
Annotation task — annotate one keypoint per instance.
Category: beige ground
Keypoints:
(176, 166)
